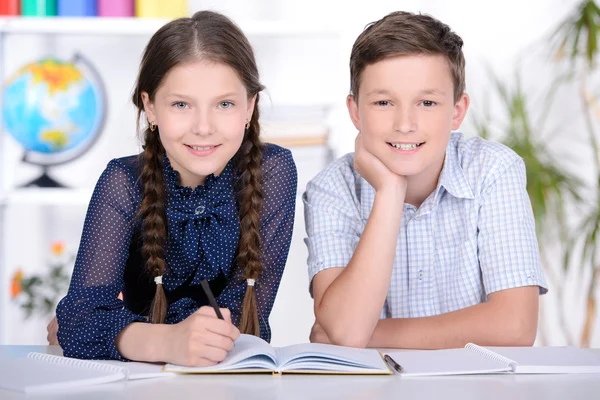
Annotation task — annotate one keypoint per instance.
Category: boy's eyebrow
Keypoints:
(422, 92)
(433, 91)
(379, 91)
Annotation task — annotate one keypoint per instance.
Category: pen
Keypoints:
(211, 298)
(393, 363)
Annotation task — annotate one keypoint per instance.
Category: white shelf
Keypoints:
(142, 26)
(47, 197)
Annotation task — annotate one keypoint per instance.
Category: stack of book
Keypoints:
(295, 125)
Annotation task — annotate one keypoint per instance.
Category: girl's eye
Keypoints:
(225, 104)
(180, 105)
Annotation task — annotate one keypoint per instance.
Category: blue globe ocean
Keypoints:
(54, 109)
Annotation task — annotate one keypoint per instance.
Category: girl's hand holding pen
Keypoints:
(202, 339)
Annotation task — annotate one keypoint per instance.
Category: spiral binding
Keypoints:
(491, 355)
(73, 362)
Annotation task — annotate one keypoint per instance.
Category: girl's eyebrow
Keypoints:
(186, 97)
(178, 95)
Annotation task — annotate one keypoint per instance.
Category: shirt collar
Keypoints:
(452, 177)
(178, 190)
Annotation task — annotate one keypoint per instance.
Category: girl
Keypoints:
(204, 200)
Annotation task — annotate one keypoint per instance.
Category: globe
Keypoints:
(55, 109)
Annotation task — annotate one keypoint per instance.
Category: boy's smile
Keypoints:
(406, 148)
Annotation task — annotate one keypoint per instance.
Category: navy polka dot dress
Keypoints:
(203, 231)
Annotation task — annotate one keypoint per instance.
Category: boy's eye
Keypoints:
(180, 105)
(382, 103)
(225, 104)
(428, 103)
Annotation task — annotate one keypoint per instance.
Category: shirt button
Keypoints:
(418, 217)
(420, 275)
(199, 210)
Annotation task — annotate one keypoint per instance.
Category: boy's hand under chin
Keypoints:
(375, 172)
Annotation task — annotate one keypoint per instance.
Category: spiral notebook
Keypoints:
(252, 354)
(39, 372)
(473, 359)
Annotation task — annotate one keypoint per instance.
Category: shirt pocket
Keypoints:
(459, 276)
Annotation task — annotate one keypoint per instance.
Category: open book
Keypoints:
(475, 359)
(252, 354)
(44, 372)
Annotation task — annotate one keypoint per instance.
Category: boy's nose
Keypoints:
(405, 121)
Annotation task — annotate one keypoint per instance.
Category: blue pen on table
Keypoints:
(211, 298)
(393, 363)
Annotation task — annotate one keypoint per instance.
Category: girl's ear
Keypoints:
(148, 108)
(250, 109)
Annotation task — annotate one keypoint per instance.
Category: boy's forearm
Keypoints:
(143, 342)
(352, 304)
(485, 324)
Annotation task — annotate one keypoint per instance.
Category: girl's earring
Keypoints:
(247, 124)
(152, 126)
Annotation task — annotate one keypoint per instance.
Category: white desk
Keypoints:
(264, 387)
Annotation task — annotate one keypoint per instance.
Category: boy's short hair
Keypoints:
(404, 33)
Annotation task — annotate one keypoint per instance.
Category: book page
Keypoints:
(139, 370)
(325, 357)
(37, 376)
(547, 360)
(445, 362)
(249, 352)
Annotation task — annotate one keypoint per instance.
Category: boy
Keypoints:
(421, 238)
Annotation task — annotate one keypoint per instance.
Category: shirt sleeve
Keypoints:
(333, 221)
(180, 310)
(279, 185)
(91, 316)
(507, 243)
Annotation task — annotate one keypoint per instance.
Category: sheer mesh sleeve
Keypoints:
(91, 316)
(279, 184)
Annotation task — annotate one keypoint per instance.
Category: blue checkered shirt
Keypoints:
(474, 235)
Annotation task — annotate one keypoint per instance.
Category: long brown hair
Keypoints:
(205, 36)
(404, 33)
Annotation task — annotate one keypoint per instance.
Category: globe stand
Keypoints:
(44, 181)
